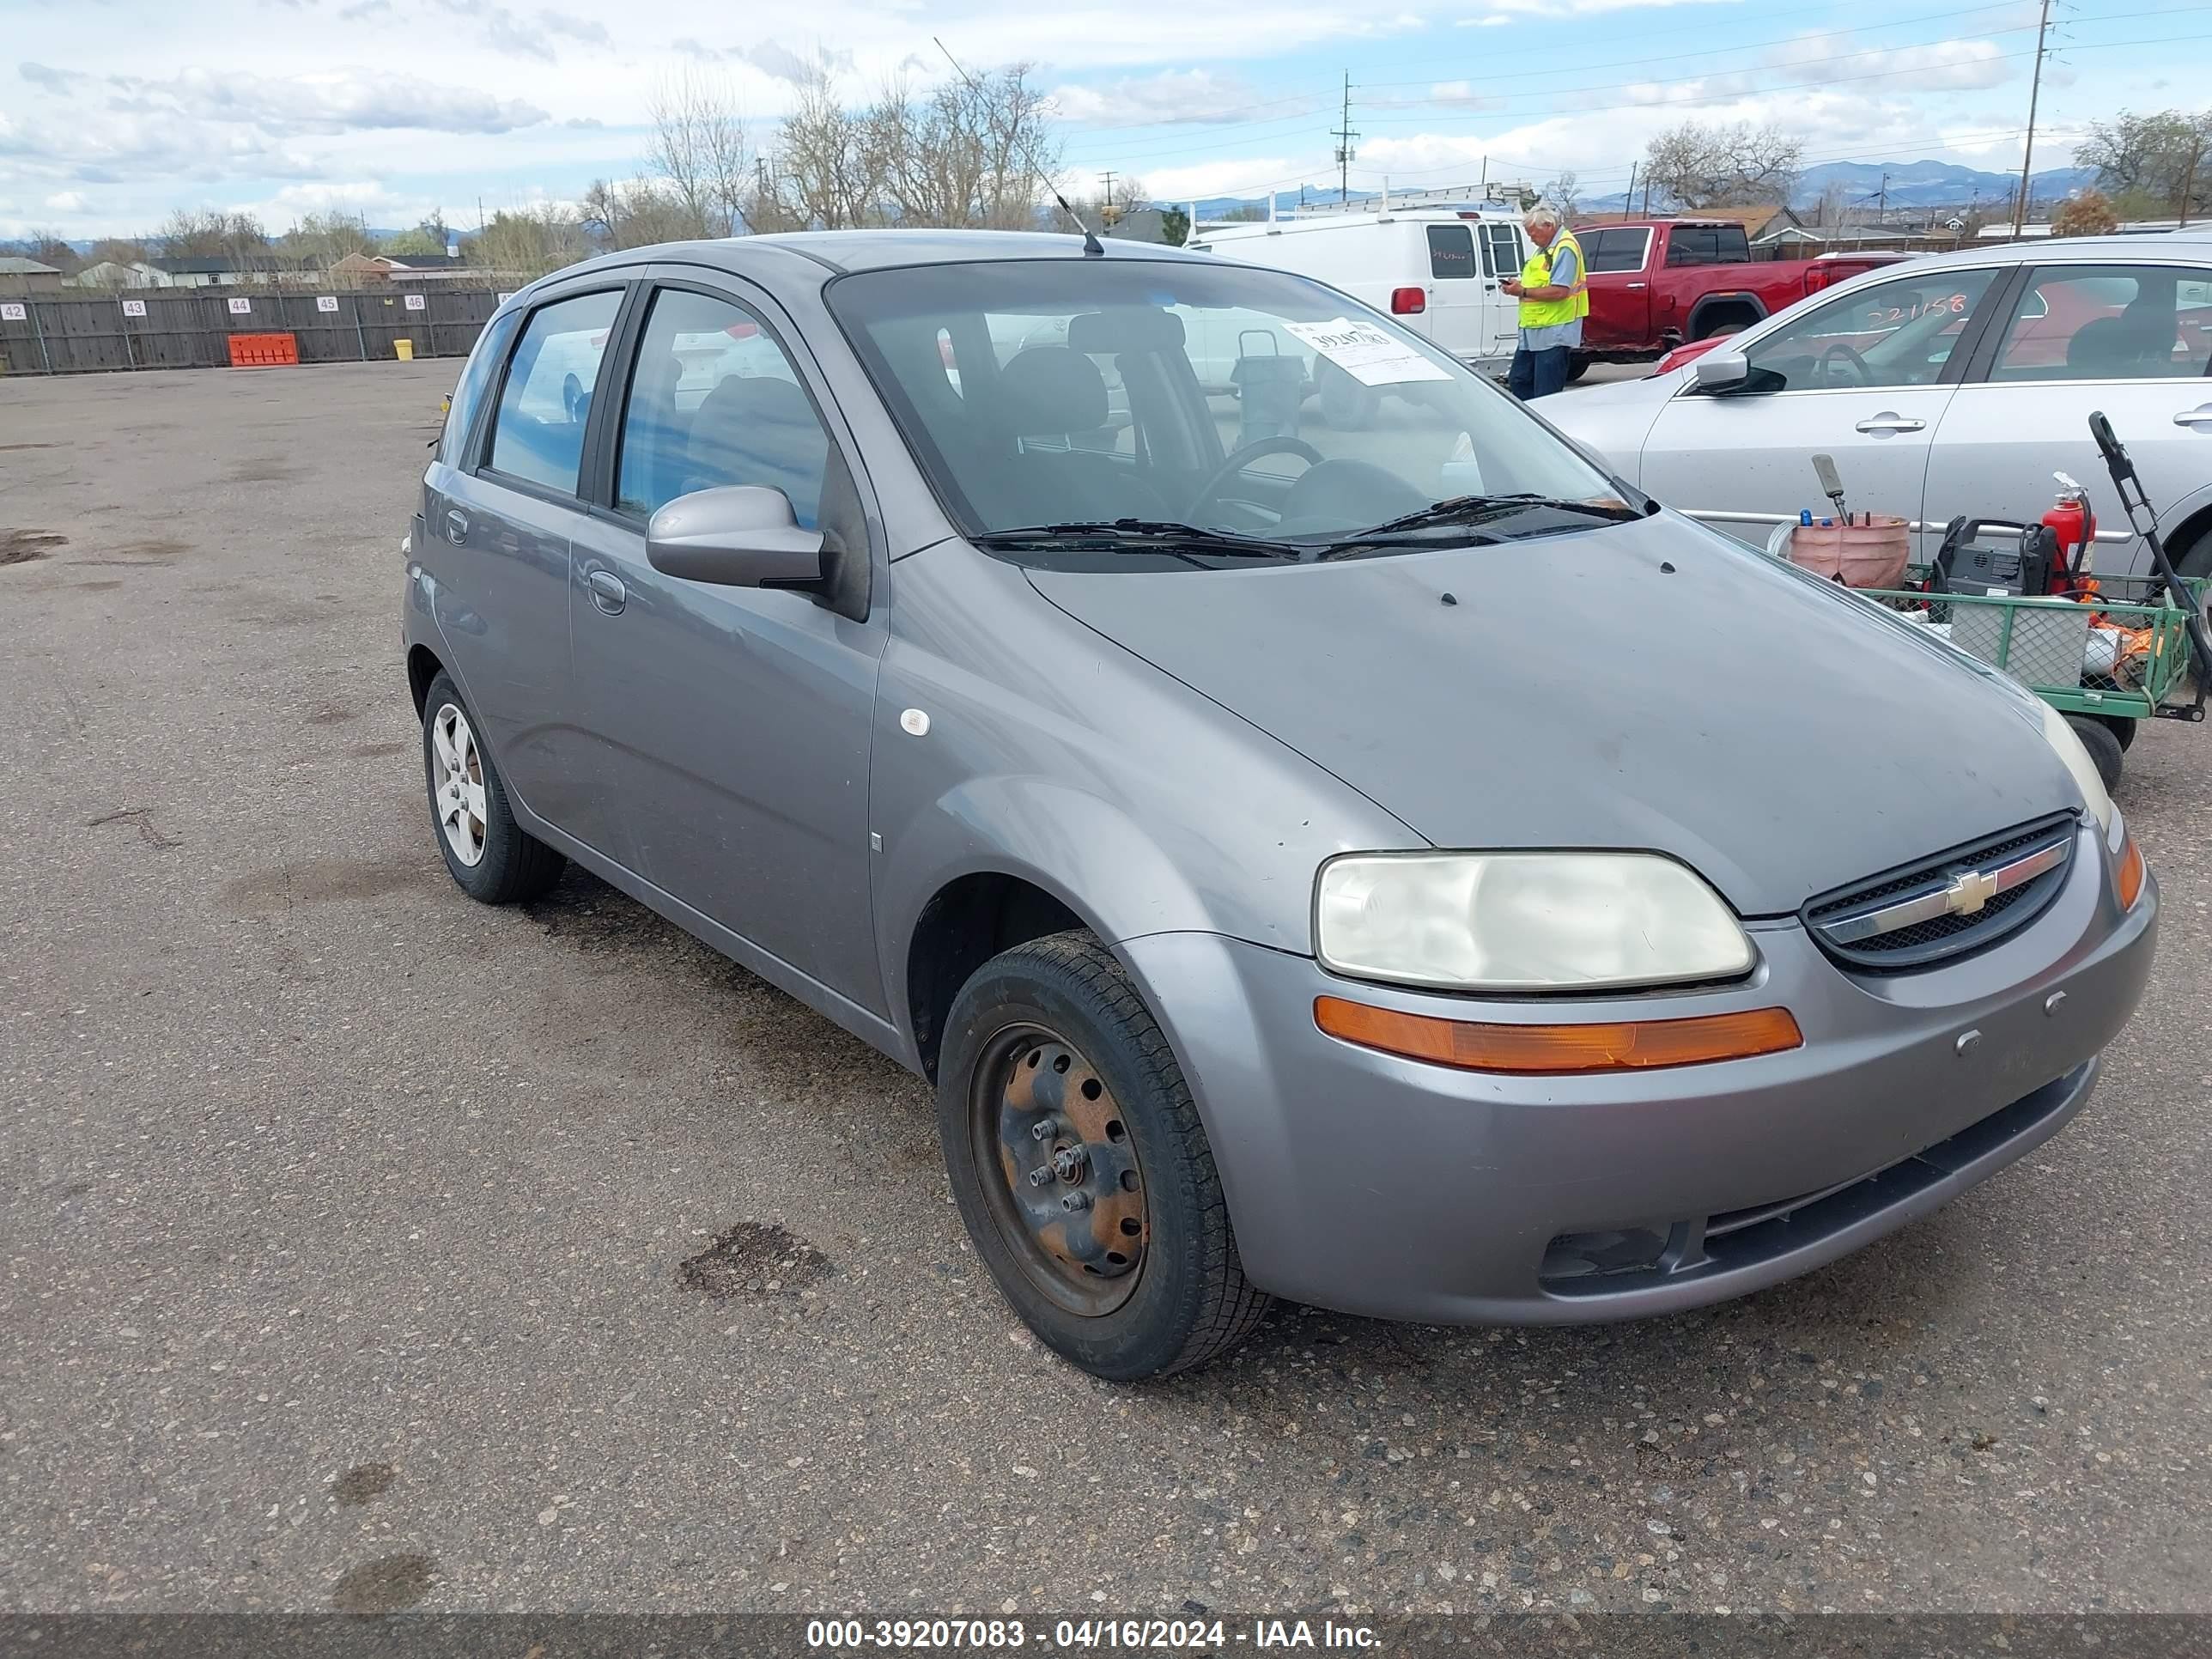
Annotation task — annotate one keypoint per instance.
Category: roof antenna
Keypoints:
(1092, 247)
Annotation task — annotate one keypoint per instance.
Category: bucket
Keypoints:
(404, 350)
(1872, 553)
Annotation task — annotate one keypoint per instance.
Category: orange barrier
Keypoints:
(264, 350)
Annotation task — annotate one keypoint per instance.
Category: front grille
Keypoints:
(1842, 922)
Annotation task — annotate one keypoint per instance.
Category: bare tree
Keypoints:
(1704, 167)
(48, 247)
(326, 238)
(1564, 192)
(215, 233)
(2162, 161)
(700, 154)
(1834, 205)
(969, 152)
(532, 241)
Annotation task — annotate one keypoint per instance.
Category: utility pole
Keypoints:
(1628, 202)
(1881, 200)
(1106, 193)
(1344, 136)
(2188, 182)
(2028, 153)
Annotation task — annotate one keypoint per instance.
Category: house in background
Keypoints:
(110, 273)
(22, 276)
(222, 271)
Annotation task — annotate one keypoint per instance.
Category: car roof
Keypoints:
(2185, 245)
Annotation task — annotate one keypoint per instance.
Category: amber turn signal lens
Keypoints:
(1627, 1046)
(2131, 873)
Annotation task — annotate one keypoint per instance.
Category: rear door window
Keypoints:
(546, 402)
(1501, 249)
(2106, 322)
(1451, 252)
(1692, 245)
(1617, 250)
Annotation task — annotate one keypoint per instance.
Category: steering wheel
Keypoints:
(1241, 459)
(1866, 374)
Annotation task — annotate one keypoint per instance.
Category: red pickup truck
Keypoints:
(1655, 283)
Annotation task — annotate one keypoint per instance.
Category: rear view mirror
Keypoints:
(737, 536)
(1125, 328)
(1720, 370)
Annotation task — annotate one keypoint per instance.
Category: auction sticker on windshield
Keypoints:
(1369, 354)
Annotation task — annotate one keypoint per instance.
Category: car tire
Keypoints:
(2121, 727)
(2104, 746)
(1346, 404)
(1080, 1167)
(491, 857)
(1578, 364)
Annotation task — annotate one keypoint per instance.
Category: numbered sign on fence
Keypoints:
(134, 308)
(417, 301)
(11, 314)
(326, 303)
(240, 308)
(509, 295)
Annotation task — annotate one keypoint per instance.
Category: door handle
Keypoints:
(1884, 422)
(608, 592)
(2200, 416)
(1635, 285)
(456, 527)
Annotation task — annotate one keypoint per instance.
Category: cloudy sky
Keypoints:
(114, 111)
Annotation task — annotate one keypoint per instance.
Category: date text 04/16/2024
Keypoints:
(1197, 1636)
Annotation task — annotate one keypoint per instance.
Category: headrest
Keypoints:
(1050, 390)
(2108, 345)
(757, 400)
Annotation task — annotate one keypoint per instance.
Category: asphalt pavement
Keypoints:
(345, 1222)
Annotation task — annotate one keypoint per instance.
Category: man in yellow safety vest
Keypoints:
(1554, 288)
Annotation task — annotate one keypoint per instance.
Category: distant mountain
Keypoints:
(1912, 184)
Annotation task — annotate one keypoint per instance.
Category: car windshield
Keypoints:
(1216, 403)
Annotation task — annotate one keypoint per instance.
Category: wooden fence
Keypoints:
(158, 328)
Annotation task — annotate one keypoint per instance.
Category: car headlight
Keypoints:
(1523, 921)
(2079, 764)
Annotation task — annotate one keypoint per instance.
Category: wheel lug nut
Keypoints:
(1075, 1201)
(1039, 1175)
(1043, 1130)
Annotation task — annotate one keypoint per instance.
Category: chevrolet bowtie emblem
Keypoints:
(1969, 891)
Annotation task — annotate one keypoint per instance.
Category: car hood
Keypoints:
(1646, 685)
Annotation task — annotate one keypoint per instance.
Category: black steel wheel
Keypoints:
(1070, 1196)
(1081, 1168)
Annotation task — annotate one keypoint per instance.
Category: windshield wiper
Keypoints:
(1141, 535)
(1476, 509)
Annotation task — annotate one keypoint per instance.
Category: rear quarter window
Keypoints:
(477, 377)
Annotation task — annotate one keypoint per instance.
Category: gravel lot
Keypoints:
(343, 1221)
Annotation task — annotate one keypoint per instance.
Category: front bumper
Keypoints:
(1379, 1185)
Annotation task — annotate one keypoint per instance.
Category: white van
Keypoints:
(1436, 270)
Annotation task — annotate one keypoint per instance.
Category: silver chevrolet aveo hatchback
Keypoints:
(1402, 870)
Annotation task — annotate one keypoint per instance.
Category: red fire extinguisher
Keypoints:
(2074, 526)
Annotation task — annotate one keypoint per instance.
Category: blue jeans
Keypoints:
(1538, 373)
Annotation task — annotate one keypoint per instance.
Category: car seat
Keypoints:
(1053, 392)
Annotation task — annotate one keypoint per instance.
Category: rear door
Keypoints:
(1503, 254)
(1619, 291)
(1865, 378)
(501, 526)
(1459, 320)
(2133, 338)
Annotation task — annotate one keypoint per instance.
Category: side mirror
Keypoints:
(737, 536)
(1719, 371)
